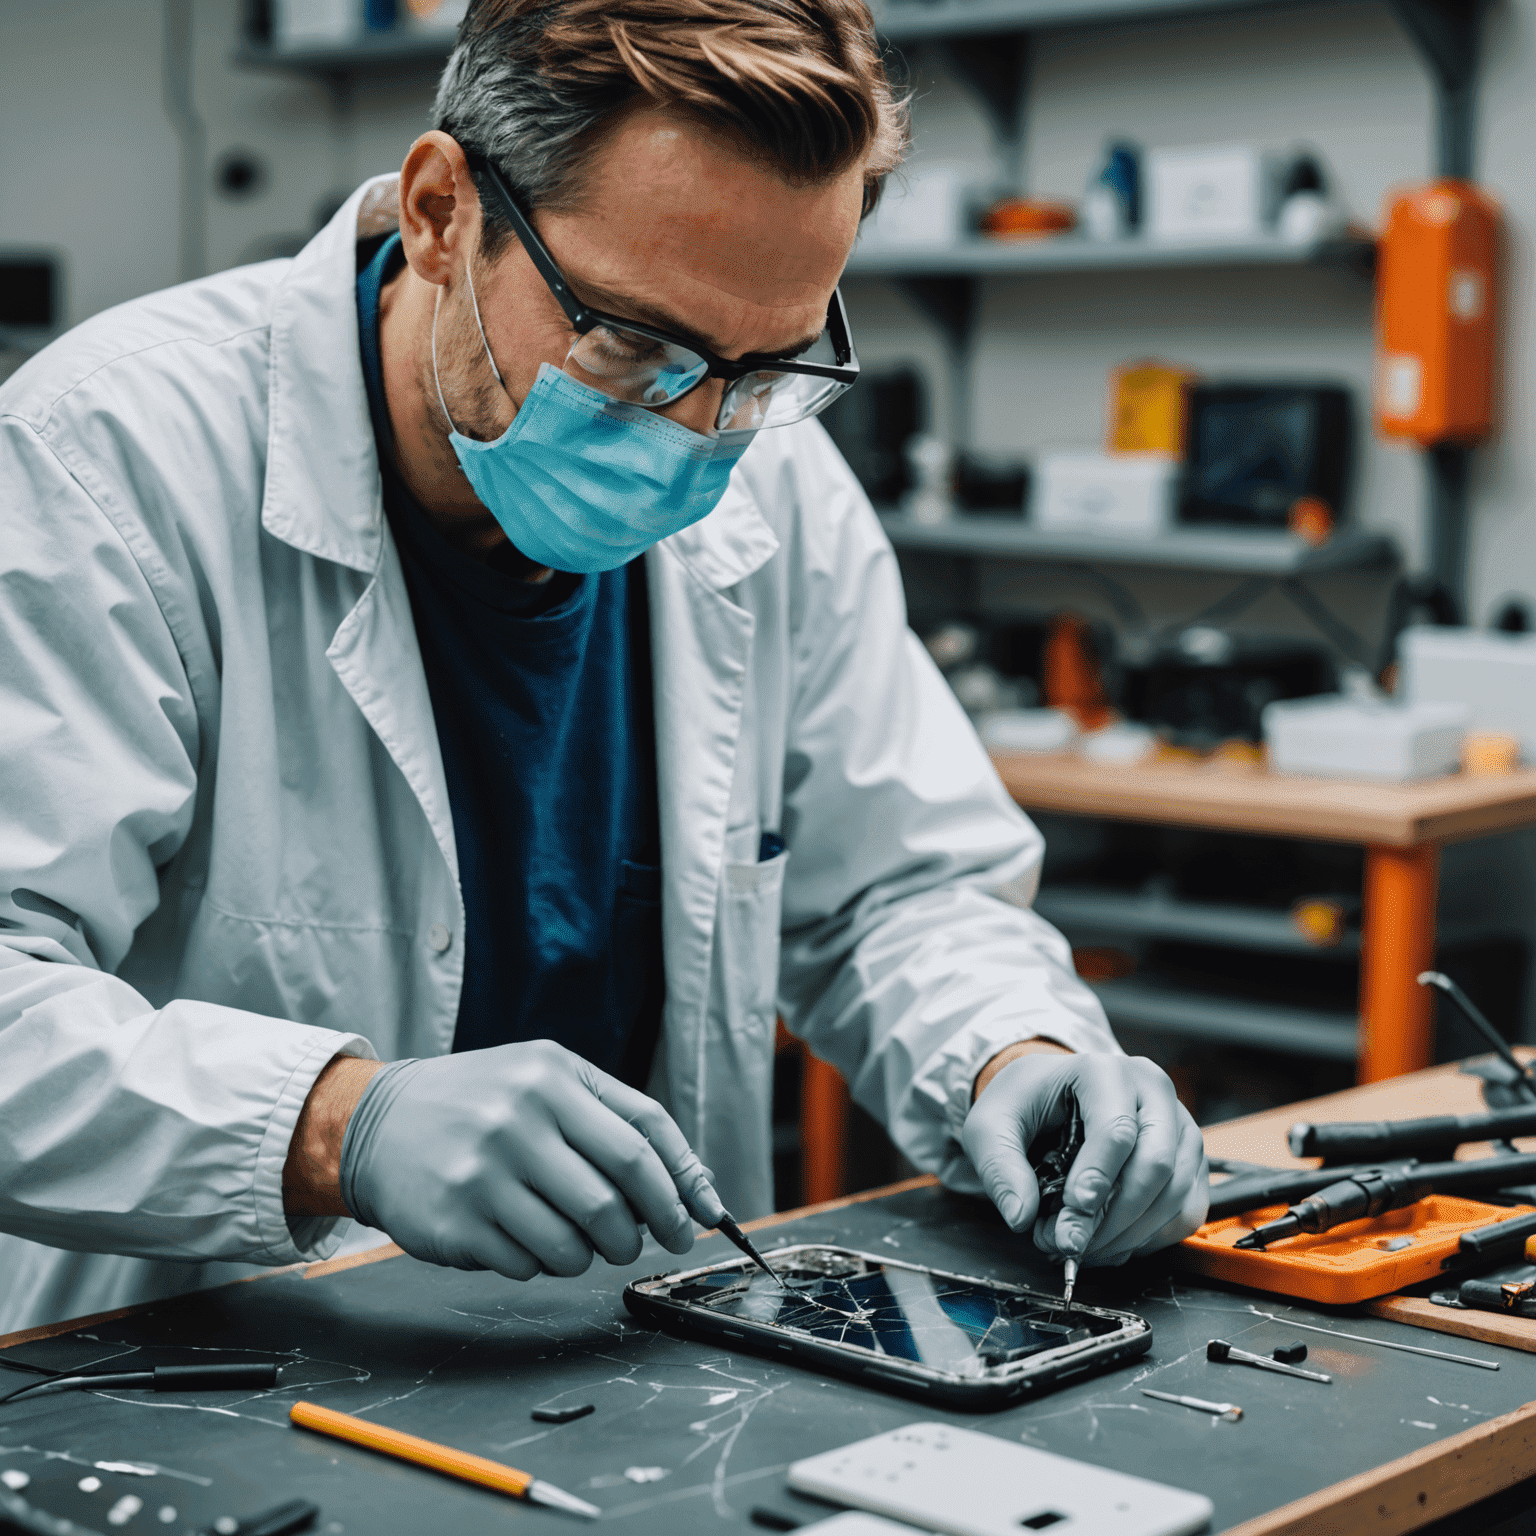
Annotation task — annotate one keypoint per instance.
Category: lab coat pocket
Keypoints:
(746, 972)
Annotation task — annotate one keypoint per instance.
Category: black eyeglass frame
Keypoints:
(583, 318)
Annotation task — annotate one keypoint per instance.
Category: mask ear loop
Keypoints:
(437, 304)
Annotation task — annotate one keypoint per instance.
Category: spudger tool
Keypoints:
(1228, 1411)
(1479, 1020)
(1219, 1351)
(1052, 1162)
(727, 1225)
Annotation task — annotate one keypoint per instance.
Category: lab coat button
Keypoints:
(439, 936)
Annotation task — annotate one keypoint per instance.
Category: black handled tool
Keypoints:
(1293, 1184)
(1516, 1297)
(1219, 1351)
(1525, 1080)
(1051, 1157)
(1496, 1243)
(1358, 1141)
(727, 1225)
(243, 1375)
(1365, 1194)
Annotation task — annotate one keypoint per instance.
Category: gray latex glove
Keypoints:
(1140, 1181)
(521, 1158)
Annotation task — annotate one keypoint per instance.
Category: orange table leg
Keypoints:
(1397, 941)
(823, 1130)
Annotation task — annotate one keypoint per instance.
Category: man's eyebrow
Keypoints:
(624, 306)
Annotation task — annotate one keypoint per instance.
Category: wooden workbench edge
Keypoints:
(1437, 1480)
(921, 1181)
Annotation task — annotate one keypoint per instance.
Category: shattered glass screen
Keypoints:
(963, 1327)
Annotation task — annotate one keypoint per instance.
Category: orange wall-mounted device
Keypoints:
(1436, 313)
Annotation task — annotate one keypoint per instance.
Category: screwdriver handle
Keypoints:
(255, 1375)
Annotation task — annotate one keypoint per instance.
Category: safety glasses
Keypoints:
(646, 366)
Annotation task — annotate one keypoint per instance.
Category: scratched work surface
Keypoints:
(685, 1437)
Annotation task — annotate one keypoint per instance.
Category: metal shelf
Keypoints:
(369, 53)
(1299, 1031)
(1131, 914)
(1140, 915)
(1239, 550)
(911, 20)
(1074, 253)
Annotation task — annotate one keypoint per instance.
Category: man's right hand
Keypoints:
(523, 1158)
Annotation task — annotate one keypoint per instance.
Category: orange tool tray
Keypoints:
(1350, 1263)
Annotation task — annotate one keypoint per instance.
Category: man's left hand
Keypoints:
(1140, 1181)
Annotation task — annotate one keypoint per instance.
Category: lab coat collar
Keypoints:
(323, 493)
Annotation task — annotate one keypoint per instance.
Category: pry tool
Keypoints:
(1219, 1351)
(727, 1225)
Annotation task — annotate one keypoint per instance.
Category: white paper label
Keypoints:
(1400, 384)
(1466, 294)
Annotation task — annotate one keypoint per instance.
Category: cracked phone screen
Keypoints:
(962, 1327)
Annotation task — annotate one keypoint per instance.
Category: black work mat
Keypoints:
(684, 1437)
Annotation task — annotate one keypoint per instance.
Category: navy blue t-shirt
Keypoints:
(542, 697)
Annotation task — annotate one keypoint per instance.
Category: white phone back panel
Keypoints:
(968, 1484)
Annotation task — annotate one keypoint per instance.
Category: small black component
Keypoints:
(1291, 1354)
(280, 1520)
(772, 1520)
(562, 1415)
(1218, 1349)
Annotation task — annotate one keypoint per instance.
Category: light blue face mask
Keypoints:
(583, 482)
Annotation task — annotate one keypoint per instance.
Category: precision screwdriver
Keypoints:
(1364, 1193)
(1052, 1162)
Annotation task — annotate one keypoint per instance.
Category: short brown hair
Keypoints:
(800, 84)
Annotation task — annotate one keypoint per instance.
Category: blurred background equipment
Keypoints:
(31, 306)
(1149, 408)
(1490, 673)
(1210, 192)
(1255, 450)
(1106, 493)
(1437, 303)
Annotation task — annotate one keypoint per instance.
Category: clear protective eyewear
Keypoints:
(644, 365)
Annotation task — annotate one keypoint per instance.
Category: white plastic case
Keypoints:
(969, 1484)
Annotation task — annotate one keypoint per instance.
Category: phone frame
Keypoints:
(998, 1386)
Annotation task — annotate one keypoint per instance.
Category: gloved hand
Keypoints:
(1140, 1181)
(520, 1158)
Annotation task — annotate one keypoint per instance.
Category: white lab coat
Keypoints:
(226, 849)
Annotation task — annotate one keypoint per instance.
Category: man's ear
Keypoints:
(439, 207)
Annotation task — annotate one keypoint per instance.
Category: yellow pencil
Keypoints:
(439, 1458)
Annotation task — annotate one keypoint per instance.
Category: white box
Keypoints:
(1027, 730)
(1130, 495)
(1209, 192)
(1493, 674)
(315, 23)
(1342, 738)
(925, 209)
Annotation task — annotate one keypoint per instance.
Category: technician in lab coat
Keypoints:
(402, 663)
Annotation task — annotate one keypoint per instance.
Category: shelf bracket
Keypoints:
(950, 302)
(995, 66)
(1446, 33)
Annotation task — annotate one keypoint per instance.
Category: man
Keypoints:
(410, 652)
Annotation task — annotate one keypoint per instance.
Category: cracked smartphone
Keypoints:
(954, 1339)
